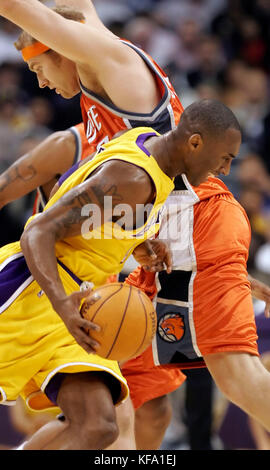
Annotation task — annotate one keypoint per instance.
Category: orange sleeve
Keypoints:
(222, 303)
(143, 280)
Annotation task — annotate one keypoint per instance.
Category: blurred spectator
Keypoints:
(42, 112)
(264, 143)
(201, 11)
(160, 43)
(246, 92)
(252, 171)
(210, 64)
(226, 26)
(187, 57)
(111, 10)
(262, 256)
(255, 86)
(252, 46)
(252, 200)
(8, 35)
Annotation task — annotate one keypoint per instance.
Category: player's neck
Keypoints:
(163, 150)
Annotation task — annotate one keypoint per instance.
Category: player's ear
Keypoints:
(195, 141)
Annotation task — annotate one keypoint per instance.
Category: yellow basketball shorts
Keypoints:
(35, 344)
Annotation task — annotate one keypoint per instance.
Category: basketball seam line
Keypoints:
(120, 326)
(146, 323)
(101, 305)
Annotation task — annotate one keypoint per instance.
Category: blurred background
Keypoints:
(209, 49)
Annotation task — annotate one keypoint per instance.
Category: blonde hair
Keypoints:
(25, 39)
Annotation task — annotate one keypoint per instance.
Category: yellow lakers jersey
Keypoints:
(95, 255)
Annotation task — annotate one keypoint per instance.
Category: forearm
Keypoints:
(39, 252)
(82, 5)
(17, 181)
(37, 167)
(87, 8)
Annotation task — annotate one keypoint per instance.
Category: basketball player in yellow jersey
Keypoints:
(41, 300)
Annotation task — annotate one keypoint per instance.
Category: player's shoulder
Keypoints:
(219, 204)
(215, 192)
(62, 137)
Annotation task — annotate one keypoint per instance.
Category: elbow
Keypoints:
(31, 239)
(34, 241)
(25, 241)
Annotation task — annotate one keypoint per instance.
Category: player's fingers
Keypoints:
(157, 267)
(78, 296)
(168, 261)
(149, 249)
(90, 346)
(86, 341)
(82, 294)
(88, 325)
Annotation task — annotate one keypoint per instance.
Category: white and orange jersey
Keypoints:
(103, 120)
(82, 150)
(204, 305)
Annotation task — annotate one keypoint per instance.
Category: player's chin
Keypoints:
(66, 94)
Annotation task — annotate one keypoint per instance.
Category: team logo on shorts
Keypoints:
(171, 327)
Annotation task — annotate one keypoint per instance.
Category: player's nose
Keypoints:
(42, 82)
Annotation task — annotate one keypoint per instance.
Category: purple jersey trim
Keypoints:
(141, 139)
(68, 173)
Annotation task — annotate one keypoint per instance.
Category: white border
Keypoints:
(178, 303)
(87, 364)
(191, 284)
(9, 259)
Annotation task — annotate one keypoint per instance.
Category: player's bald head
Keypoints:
(208, 118)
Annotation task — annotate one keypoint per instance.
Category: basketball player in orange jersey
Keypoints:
(204, 307)
(121, 86)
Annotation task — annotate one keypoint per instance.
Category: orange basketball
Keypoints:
(127, 319)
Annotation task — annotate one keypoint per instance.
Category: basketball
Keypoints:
(126, 317)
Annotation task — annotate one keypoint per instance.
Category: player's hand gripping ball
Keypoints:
(127, 319)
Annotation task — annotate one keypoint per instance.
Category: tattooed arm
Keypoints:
(38, 167)
(126, 184)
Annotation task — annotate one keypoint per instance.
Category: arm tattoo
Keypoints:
(100, 193)
(15, 173)
(74, 215)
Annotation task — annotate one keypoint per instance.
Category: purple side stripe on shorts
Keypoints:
(53, 386)
(14, 274)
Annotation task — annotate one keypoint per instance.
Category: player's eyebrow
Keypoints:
(232, 155)
(31, 66)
